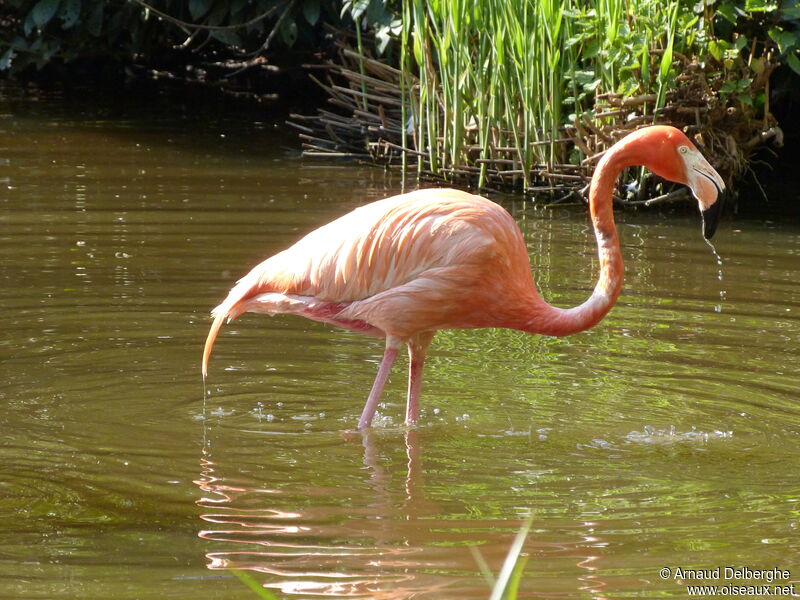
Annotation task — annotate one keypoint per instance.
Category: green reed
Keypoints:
(254, 586)
(496, 74)
(506, 585)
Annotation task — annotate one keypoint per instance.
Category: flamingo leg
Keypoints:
(417, 351)
(377, 387)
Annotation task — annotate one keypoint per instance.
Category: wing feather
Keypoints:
(379, 247)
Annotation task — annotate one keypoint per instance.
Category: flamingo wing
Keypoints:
(409, 263)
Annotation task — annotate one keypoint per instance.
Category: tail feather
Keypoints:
(231, 307)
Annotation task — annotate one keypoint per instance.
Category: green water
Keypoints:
(665, 437)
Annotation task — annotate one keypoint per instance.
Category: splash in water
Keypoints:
(651, 435)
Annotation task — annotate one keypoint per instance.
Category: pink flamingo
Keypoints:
(404, 267)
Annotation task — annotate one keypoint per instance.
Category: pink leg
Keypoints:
(417, 351)
(380, 380)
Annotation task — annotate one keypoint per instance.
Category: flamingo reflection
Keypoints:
(388, 543)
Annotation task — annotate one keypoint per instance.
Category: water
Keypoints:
(665, 437)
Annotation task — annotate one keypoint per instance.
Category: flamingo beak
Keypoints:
(711, 219)
(707, 187)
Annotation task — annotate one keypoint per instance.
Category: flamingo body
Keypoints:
(426, 260)
(404, 267)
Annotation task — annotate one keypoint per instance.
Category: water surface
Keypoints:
(665, 437)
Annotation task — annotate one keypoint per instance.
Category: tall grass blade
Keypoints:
(253, 584)
(483, 566)
(507, 573)
(512, 589)
(493, 82)
(665, 68)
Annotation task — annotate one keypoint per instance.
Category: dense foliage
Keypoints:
(513, 74)
(34, 32)
(37, 32)
(475, 74)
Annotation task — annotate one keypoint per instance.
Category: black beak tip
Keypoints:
(711, 219)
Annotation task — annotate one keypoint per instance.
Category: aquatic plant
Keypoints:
(522, 75)
(526, 95)
(491, 93)
(251, 582)
(506, 586)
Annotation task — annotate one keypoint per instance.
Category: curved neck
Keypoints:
(554, 321)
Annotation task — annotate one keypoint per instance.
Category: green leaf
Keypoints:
(5, 60)
(418, 49)
(289, 31)
(584, 77)
(51, 49)
(740, 42)
(591, 49)
(728, 12)
(227, 37)
(311, 11)
(28, 25)
(43, 11)
(376, 13)
(509, 571)
(219, 14)
(356, 8)
(19, 43)
(573, 41)
(690, 24)
(715, 50)
(197, 8)
(628, 86)
(256, 587)
(793, 62)
(784, 39)
(646, 63)
(70, 12)
(95, 23)
(760, 5)
(512, 589)
(666, 61)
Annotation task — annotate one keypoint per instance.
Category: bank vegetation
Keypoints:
(521, 96)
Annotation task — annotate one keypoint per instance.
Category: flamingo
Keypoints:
(404, 267)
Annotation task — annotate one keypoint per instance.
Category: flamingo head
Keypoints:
(706, 185)
(671, 155)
